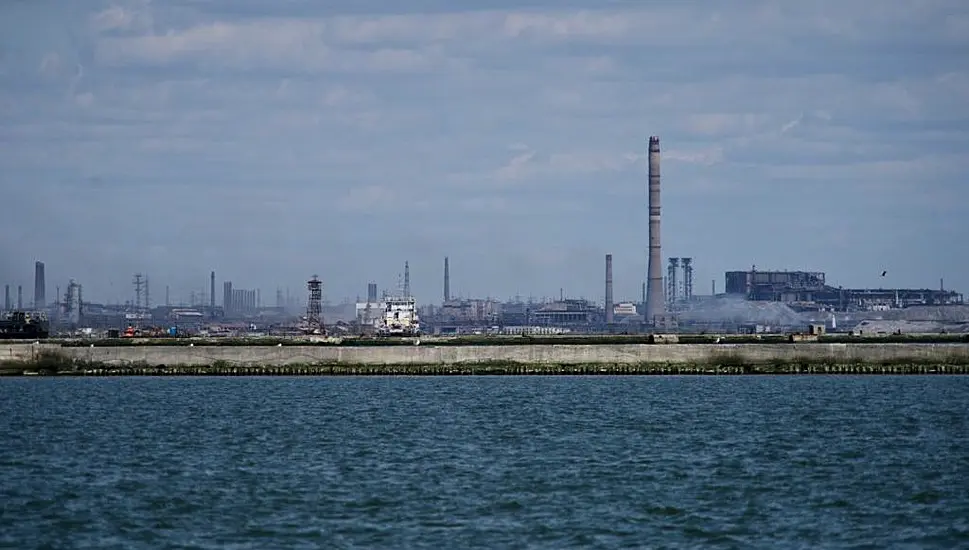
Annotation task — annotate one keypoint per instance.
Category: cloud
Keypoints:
(135, 17)
(272, 139)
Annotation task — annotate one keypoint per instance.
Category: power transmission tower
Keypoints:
(139, 282)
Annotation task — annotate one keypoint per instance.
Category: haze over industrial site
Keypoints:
(270, 142)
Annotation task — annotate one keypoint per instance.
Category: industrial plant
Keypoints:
(752, 301)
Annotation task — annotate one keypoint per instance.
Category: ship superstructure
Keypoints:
(399, 317)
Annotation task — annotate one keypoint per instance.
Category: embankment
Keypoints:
(52, 358)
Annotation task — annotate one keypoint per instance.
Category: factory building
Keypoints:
(566, 312)
(469, 311)
(516, 313)
(809, 290)
(239, 302)
(776, 286)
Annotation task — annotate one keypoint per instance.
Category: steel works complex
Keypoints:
(752, 301)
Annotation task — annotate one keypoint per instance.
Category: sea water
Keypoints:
(489, 462)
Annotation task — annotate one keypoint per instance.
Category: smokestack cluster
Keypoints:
(609, 307)
(655, 306)
(447, 281)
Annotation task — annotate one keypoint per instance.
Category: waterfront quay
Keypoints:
(790, 358)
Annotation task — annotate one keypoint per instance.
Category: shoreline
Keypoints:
(335, 360)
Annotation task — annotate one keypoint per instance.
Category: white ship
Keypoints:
(399, 317)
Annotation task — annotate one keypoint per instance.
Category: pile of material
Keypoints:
(740, 311)
(953, 314)
(876, 327)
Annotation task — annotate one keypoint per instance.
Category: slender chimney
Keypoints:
(406, 280)
(212, 291)
(447, 281)
(6, 298)
(20, 297)
(654, 287)
(609, 309)
(40, 286)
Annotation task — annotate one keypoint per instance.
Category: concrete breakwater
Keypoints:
(510, 359)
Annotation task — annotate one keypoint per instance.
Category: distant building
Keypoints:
(776, 286)
(625, 309)
(243, 302)
(238, 302)
(470, 311)
(809, 290)
(515, 314)
(227, 298)
(566, 312)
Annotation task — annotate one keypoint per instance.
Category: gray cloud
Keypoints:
(271, 142)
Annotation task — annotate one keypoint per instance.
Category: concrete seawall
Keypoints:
(620, 354)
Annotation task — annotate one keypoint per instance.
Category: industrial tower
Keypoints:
(40, 287)
(610, 310)
(406, 280)
(314, 307)
(671, 282)
(447, 281)
(655, 307)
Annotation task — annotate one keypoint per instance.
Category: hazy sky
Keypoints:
(271, 140)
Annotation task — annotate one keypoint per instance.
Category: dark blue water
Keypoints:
(746, 462)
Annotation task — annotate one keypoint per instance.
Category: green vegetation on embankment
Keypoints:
(513, 340)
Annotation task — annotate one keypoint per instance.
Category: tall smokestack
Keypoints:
(212, 291)
(609, 312)
(40, 286)
(6, 298)
(654, 286)
(447, 281)
(20, 297)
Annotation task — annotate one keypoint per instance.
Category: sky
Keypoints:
(270, 141)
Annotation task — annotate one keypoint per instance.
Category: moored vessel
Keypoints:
(23, 325)
(399, 317)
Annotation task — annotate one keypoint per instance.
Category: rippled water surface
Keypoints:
(745, 462)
